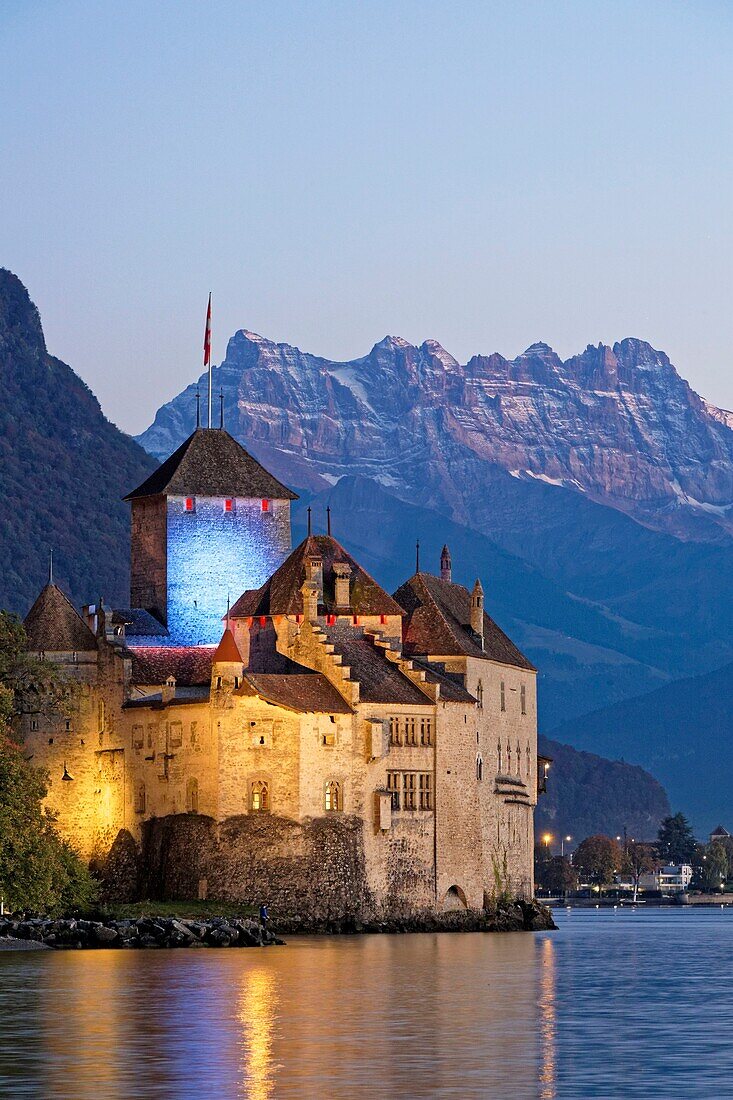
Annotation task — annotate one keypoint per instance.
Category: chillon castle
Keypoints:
(319, 745)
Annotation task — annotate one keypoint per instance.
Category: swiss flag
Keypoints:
(207, 335)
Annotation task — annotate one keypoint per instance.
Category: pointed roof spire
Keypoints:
(328, 521)
(221, 409)
(445, 564)
(53, 625)
(309, 521)
(227, 651)
(50, 566)
(198, 409)
(417, 556)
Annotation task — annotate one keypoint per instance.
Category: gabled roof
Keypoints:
(53, 625)
(281, 594)
(720, 831)
(189, 665)
(211, 463)
(306, 692)
(380, 680)
(439, 624)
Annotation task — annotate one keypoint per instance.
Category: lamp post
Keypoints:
(565, 840)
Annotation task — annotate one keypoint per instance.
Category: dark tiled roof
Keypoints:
(54, 625)
(452, 689)
(307, 692)
(380, 680)
(281, 594)
(189, 665)
(720, 831)
(439, 623)
(139, 623)
(212, 464)
(182, 697)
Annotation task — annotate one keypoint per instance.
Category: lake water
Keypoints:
(625, 1003)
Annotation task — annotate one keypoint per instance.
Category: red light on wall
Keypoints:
(331, 619)
(383, 619)
(189, 504)
(265, 506)
(263, 620)
(228, 505)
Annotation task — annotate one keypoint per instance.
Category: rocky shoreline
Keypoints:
(17, 933)
(71, 932)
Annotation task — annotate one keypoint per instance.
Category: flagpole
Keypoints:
(208, 325)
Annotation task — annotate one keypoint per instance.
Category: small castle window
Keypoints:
(409, 791)
(523, 698)
(34, 724)
(479, 767)
(394, 786)
(228, 505)
(503, 696)
(383, 620)
(426, 731)
(328, 739)
(332, 797)
(265, 506)
(426, 791)
(67, 724)
(410, 731)
(192, 796)
(480, 694)
(190, 504)
(140, 799)
(259, 796)
(330, 620)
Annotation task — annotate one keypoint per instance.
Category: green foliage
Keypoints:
(709, 867)
(556, 874)
(675, 842)
(38, 870)
(597, 859)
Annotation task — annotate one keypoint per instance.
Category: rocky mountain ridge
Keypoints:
(617, 424)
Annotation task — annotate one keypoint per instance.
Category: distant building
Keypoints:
(719, 835)
(671, 879)
(321, 745)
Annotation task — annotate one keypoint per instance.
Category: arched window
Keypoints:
(260, 796)
(479, 767)
(332, 796)
(192, 796)
(140, 799)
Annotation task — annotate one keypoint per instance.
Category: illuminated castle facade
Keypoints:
(324, 746)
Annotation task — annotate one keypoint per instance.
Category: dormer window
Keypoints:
(265, 505)
(190, 504)
(228, 505)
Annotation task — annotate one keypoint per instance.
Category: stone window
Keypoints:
(332, 797)
(502, 697)
(138, 736)
(140, 798)
(480, 694)
(151, 736)
(328, 739)
(409, 791)
(394, 786)
(34, 724)
(67, 725)
(519, 759)
(509, 759)
(410, 731)
(176, 730)
(426, 790)
(192, 796)
(260, 796)
(479, 767)
(498, 751)
(523, 698)
(528, 758)
(395, 733)
(426, 731)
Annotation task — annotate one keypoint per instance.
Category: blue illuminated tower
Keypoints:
(209, 523)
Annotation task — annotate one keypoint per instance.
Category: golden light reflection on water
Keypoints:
(257, 1009)
(548, 1021)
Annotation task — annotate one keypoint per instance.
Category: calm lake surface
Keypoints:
(625, 1003)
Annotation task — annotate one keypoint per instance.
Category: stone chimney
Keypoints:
(314, 573)
(477, 612)
(310, 594)
(342, 572)
(445, 565)
(168, 690)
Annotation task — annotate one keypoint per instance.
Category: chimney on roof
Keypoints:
(477, 612)
(168, 690)
(310, 600)
(342, 571)
(445, 565)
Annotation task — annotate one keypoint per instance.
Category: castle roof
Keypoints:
(306, 692)
(188, 665)
(227, 649)
(720, 831)
(439, 623)
(138, 622)
(281, 594)
(53, 625)
(211, 463)
(380, 680)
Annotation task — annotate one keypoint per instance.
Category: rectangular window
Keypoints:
(34, 724)
(503, 696)
(409, 790)
(395, 735)
(265, 506)
(189, 504)
(176, 731)
(410, 731)
(394, 787)
(426, 791)
(426, 731)
(138, 738)
(523, 698)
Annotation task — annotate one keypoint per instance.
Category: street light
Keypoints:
(565, 840)
(547, 838)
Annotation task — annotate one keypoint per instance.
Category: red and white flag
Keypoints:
(207, 336)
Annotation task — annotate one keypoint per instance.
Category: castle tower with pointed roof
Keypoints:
(210, 522)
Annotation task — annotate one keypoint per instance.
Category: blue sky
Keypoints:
(486, 174)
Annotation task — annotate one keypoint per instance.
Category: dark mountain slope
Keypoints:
(682, 732)
(64, 469)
